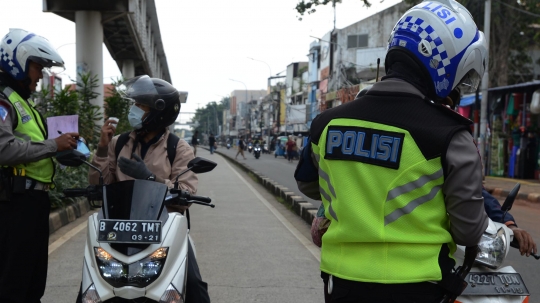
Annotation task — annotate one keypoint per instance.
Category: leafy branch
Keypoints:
(308, 6)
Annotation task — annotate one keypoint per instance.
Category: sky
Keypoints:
(209, 42)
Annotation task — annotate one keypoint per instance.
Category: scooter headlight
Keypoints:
(109, 267)
(492, 249)
(138, 274)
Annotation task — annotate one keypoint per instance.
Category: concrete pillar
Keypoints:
(128, 69)
(89, 37)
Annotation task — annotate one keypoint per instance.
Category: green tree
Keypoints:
(89, 114)
(71, 102)
(206, 116)
(309, 6)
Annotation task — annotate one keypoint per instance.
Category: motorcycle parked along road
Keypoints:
(257, 151)
(135, 250)
(488, 281)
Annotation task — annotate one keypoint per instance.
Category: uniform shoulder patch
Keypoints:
(4, 110)
(25, 117)
(367, 145)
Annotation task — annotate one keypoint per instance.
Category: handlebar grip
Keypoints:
(75, 192)
(200, 198)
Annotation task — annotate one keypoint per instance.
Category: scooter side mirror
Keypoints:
(72, 158)
(200, 165)
(509, 201)
(75, 158)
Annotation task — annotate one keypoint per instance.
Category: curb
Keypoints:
(500, 192)
(290, 199)
(68, 214)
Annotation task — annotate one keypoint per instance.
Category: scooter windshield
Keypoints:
(134, 200)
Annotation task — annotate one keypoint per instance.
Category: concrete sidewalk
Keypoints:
(500, 187)
(248, 249)
(287, 196)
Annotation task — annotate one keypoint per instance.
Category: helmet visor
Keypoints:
(141, 90)
(50, 67)
(470, 82)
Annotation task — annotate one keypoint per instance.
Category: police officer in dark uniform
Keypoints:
(397, 170)
(27, 170)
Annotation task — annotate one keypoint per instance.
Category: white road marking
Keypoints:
(312, 248)
(63, 239)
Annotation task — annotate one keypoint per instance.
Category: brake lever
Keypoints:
(515, 244)
(201, 203)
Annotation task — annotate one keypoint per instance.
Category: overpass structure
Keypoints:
(129, 29)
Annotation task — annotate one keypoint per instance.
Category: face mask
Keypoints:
(135, 117)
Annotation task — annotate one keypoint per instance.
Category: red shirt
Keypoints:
(290, 145)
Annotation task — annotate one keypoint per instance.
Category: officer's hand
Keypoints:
(526, 242)
(107, 132)
(135, 169)
(66, 141)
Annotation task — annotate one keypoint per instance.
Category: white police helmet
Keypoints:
(443, 36)
(19, 47)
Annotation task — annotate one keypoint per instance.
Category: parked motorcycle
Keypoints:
(257, 151)
(135, 249)
(488, 279)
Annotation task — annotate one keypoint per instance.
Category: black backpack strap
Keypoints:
(122, 140)
(172, 143)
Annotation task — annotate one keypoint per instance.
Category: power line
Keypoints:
(518, 9)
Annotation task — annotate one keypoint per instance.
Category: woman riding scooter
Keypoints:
(143, 154)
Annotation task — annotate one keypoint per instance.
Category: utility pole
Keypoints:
(485, 85)
(217, 120)
(334, 5)
(278, 95)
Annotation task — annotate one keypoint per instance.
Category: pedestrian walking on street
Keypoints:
(273, 144)
(241, 146)
(291, 149)
(27, 168)
(195, 142)
(212, 143)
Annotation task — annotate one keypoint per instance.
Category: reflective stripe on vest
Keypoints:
(388, 220)
(30, 128)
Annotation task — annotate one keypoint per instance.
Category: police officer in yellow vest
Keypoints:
(27, 167)
(397, 171)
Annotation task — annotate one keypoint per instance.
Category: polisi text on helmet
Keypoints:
(440, 11)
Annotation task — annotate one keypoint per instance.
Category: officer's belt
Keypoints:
(32, 184)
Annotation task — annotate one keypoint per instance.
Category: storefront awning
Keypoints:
(524, 87)
(527, 87)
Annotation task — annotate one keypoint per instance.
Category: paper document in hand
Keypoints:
(65, 124)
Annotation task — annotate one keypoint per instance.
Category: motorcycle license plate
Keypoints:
(495, 284)
(129, 231)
